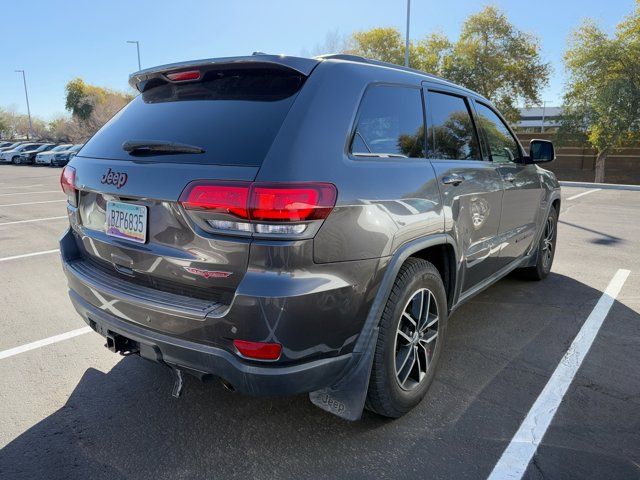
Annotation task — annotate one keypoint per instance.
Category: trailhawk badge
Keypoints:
(207, 273)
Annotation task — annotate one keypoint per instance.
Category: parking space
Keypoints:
(72, 409)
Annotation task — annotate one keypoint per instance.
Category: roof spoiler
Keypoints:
(302, 65)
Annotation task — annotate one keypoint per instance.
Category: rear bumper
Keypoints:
(315, 315)
(249, 379)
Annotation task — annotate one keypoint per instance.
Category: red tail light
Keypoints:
(273, 202)
(229, 197)
(258, 350)
(291, 203)
(68, 183)
(184, 76)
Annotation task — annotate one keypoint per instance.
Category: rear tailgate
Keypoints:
(230, 114)
(176, 256)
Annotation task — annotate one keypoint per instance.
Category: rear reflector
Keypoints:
(272, 202)
(68, 184)
(184, 76)
(258, 350)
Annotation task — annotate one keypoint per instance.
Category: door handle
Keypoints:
(453, 179)
(509, 177)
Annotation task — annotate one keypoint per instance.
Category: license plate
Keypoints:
(128, 221)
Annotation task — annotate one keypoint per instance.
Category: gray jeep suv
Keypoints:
(293, 225)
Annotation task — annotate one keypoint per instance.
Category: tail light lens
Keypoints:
(276, 203)
(223, 197)
(258, 350)
(184, 76)
(291, 203)
(68, 184)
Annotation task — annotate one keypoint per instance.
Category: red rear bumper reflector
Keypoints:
(258, 350)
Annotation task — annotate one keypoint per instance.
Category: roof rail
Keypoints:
(360, 59)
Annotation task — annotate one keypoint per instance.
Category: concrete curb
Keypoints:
(609, 186)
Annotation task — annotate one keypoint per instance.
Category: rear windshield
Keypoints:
(232, 114)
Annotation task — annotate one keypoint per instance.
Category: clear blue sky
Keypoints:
(55, 41)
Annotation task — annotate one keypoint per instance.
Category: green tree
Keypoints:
(498, 61)
(81, 98)
(384, 44)
(491, 56)
(602, 99)
(91, 107)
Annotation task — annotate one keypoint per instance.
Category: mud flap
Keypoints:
(347, 396)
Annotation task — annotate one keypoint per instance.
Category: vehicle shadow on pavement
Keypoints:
(502, 348)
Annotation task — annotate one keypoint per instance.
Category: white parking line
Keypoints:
(23, 186)
(584, 193)
(33, 220)
(45, 341)
(30, 193)
(31, 203)
(515, 459)
(25, 255)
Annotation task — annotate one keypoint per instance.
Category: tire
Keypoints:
(15, 160)
(388, 395)
(546, 249)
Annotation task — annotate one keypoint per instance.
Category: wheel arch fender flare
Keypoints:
(346, 398)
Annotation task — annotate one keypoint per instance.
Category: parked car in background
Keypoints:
(28, 157)
(318, 241)
(62, 158)
(10, 146)
(6, 144)
(44, 158)
(10, 156)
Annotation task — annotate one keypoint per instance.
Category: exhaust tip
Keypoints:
(227, 385)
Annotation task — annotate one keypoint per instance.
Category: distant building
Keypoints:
(539, 119)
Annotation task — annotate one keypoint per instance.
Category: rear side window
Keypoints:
(502, 146)
(232, 114)
(451, 134)
(390, 123)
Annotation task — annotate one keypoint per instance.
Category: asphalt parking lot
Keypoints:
(72, 409)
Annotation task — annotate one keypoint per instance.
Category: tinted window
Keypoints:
(60, 147)
(451, 134)
(390, 122)
(502, 146)
(233, 114)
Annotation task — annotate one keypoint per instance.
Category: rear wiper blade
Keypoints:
(158, 146)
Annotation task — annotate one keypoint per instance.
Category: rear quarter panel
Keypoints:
(382, 203)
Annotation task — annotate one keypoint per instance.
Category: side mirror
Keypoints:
(541, 151)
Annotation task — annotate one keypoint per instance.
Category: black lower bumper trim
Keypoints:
(250, 379)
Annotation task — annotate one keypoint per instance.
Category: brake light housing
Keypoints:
(68, 184)
(260, 208)
(185, 76)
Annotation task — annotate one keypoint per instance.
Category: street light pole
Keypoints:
(406, 41)
(138, 49)
(26, 95)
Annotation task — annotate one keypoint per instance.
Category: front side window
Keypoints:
(503, 148)
(390, 123)
(452, 135)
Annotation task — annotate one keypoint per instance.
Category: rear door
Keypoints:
(522, 186)
(129, 219)
(471, 187)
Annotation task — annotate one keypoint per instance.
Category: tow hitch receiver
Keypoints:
(119, 344)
